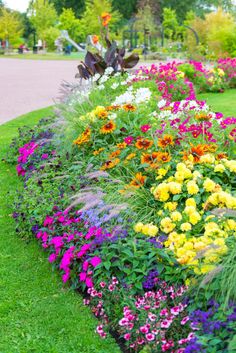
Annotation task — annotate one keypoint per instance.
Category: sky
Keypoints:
(20, 5)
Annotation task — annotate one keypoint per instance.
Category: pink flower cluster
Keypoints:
(24, 153)
(148, 319)
(73, 246)
(228, 65)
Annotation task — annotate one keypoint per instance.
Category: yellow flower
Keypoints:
(230, 224)
(171, 206)
(219, 168)
(162, 172)
(191, 202)
(194, 218)
(199, 245)
(152, 231)
(192, 187)
(185, 227)
(145, 229)
(189, 210)
(221, 72)
(167, 225)
(138, 227)
(176, 216)
(209, 185)
(175, 188)
(207, 158)
(231, 165)
(179, 176)
(197, 174)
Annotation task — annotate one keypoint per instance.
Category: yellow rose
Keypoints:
(207, 158)
(171, 206)
(189, 209)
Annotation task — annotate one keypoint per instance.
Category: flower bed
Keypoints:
(134, 198)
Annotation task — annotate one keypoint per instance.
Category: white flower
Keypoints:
(117, 74)
(161, 104)
(113, 116)
(114, 85)
(96, 77)
(109, 70)
(124, 98)
(100, 87)
(142, 95)
(103, 79)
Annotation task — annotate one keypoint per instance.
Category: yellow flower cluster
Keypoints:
(147, 229)
(177, 219)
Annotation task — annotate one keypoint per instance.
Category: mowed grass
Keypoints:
(221, 102)
(37, 314)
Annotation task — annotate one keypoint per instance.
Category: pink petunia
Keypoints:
(128, 140)
(95, 261)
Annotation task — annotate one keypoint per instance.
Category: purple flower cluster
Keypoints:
(150, 280)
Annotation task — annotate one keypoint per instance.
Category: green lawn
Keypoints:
(46, 56)
(221, 102)
(37, 314)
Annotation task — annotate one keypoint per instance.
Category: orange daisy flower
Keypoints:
(203, 116)
(97, 152)
(113, 107)
(163, 157)
(149, 158)
(210, 148)
(196, 152)
(121, 145)
(221, 155)
(138, 180)
(130, 156)
(110, 164)
(108, 127)
(165, 141)
(114, 154)
(102, 114)
(143, 144)
(83, 138)
(129, 108)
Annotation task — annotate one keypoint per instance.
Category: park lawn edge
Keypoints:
(37, 313)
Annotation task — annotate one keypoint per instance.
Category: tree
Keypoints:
(170, 22)
(126, 8)
(91, 23)
(42, 16)
(69, 22)
(10, 26)
(145, 19)
(78, 6)
(155, 6)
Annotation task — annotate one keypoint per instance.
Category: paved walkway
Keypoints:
(27, 85)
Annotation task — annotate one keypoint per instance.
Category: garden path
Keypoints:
(27, 85)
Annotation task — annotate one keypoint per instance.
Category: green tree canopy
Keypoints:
(78, 6)
(42, 16)
(69, 22)
(11, 27)
(90, 23)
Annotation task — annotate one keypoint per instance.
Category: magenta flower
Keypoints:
(82, 276)
(145, 128)
(95, 261)
(52, 257)
(128, 140)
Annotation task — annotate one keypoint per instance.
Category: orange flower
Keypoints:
(108, 127)
(221, 155)
(138, 180)
(114, 154)
(95, 39)
(210, 148)
(103, 114)
(83, 138)
(165, 141)
(163, 157)
(113, 107)
(110, 164)
(196, 152)
(203, 116)
(106, 18)
(121, 145)
(129, 108)
(143, 144)
(149, 158)
(130, 156)
(97, 152)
